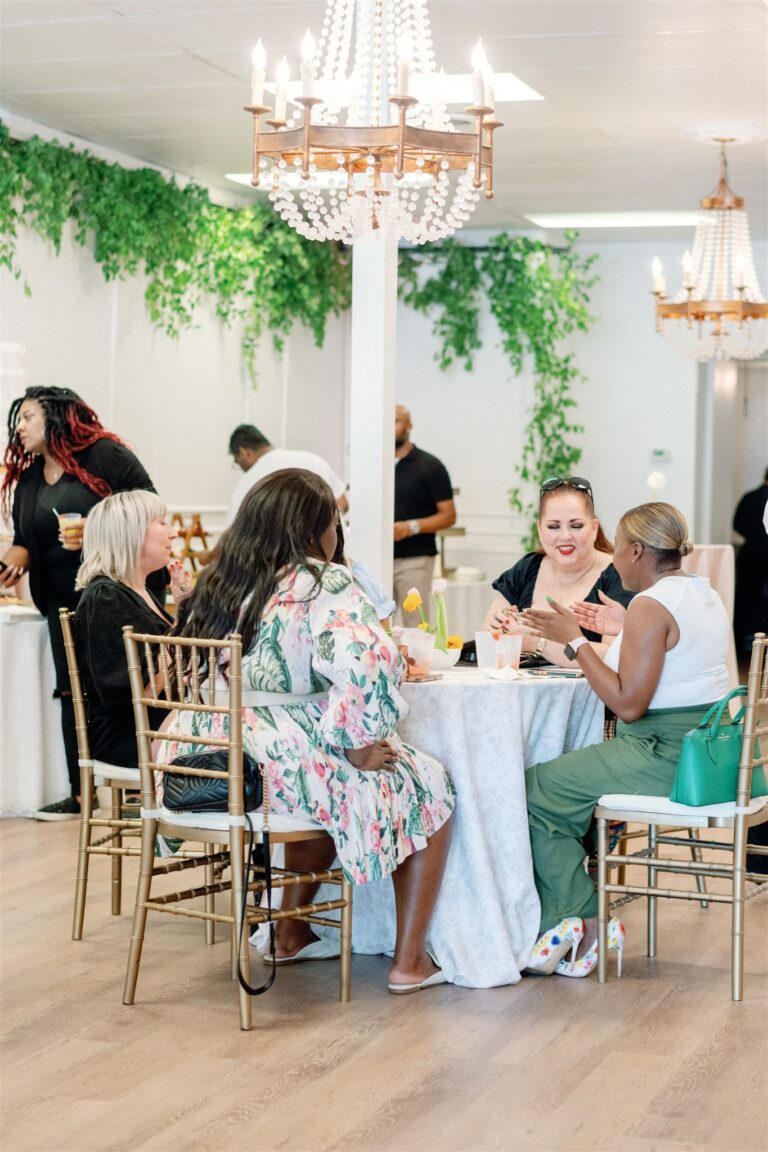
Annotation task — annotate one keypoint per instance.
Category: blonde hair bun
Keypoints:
(658, 526)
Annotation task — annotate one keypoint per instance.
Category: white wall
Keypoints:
(639, 396)
(174, 400)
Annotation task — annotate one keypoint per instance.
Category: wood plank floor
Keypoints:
(662, 1060)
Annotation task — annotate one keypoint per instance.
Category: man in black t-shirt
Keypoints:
(423, 506)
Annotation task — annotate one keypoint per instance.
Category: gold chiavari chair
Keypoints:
(112, 844)
(655, 811)
(180, 678)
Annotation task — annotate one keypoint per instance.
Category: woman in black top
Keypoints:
(59, 459)
(573, 564)
(127, 537)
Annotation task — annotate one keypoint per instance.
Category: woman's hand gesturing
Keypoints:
(559, 624)
(374, 758)
(607, 618)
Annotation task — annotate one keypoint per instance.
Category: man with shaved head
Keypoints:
(423, 506)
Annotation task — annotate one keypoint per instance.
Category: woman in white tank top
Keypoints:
(666, 666)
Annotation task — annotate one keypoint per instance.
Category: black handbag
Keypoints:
(204, 794)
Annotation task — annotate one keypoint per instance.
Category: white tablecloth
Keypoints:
(33, 768)
(485, 732)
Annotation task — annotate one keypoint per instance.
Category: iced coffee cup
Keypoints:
(71, 526)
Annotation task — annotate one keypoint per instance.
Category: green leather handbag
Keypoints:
(708, 768)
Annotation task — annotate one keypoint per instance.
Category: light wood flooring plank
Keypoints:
(659, 1062)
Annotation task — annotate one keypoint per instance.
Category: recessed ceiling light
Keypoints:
(614, 219)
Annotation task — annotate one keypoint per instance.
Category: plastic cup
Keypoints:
(508, 650)
(70, 527)
(420, 647)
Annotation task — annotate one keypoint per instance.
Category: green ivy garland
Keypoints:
(261, 271)
(252, 265)
(538, 295)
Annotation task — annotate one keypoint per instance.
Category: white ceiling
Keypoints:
(623, 81)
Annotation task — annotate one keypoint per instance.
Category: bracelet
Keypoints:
(539, 649)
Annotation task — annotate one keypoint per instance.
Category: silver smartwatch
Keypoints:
(572, 648)
(414, 527)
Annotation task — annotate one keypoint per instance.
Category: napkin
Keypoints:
(503, 674)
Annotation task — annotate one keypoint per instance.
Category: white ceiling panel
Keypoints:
(622, 80)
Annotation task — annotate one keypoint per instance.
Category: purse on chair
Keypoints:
(204, 794)
(708, 768)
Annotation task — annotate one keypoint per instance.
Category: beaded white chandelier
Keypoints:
(720, 310)
(372, 146)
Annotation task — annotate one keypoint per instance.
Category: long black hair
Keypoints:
(278, 525)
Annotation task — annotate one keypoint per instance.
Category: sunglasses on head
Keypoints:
(577, 482)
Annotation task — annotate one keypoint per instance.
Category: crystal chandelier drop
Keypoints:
(372, 145)
(719, 311)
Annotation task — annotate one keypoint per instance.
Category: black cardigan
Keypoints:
(105, 608)
(106, 459)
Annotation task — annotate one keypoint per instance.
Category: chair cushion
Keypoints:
(219, 821)
(103, 771)
(669, 812)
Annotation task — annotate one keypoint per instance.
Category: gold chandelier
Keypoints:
(720, 310)
(372, 146)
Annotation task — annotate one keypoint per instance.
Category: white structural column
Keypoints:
(372, 402)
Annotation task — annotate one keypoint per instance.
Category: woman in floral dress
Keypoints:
(335, 757)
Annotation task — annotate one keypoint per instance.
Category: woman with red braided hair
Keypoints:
(59, 459)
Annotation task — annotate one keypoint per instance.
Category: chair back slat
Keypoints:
(78, 696)
(754, 720)
(186, 669)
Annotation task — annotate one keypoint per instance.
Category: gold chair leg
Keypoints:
(701, 881)
(737, 912)
(345, 966)
(117, 860)
(236, 846)
(143, 889)
(83, 857)
(602, 899)
(653, 849)
(210, 898)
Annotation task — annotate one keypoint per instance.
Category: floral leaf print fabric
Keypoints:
(325, 637)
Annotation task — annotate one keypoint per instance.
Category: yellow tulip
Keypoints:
(454, 642)
(412, 601)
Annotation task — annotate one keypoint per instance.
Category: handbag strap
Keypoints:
(715, 713)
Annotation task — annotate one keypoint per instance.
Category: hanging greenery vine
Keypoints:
(257, 269)
(252, 266)
(538, 295)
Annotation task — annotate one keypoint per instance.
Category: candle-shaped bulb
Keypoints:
(687, 270)
(740, 272)
(659, 282)
(308, 50)
(479, 68)
(489, 98)
(282, 75)
(258, 76)
(404, 63)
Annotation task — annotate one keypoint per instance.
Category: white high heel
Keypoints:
(552, 948)
(588, 962)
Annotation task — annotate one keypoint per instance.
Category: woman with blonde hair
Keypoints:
(126, 538)
(664, 669)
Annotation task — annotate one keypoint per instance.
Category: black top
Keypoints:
(52, 569)
(104, 610)
(517, 583)
(421, 483)
(748, 522)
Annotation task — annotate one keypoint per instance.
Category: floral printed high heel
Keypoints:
(552, 948)
(588, 962)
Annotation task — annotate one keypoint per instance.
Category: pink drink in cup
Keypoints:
(420, 647)
(508, 650)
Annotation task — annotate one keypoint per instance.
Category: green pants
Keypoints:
(562, 795)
